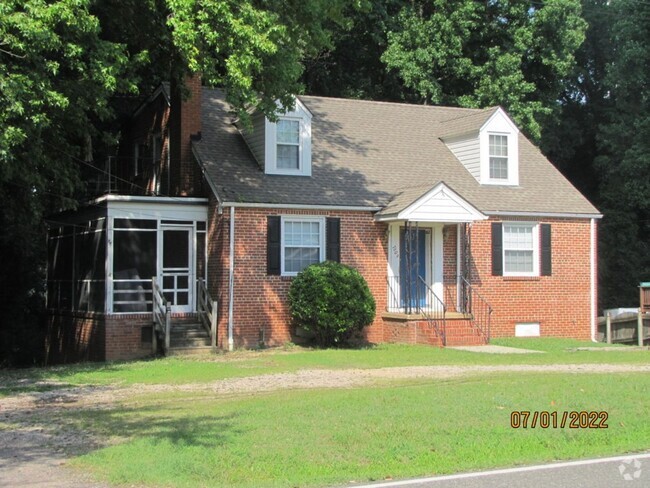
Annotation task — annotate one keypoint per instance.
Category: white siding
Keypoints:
(256, 137)
(466, 149)
(440, 207)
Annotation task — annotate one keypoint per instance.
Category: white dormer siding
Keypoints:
(467, 149)
(473, 150)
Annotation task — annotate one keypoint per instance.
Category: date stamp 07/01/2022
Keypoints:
(544, 419)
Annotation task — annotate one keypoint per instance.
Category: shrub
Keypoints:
(332, 301)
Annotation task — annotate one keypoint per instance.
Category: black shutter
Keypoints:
(333, 239)
(273, 244)
(497, 249)
(546, 249)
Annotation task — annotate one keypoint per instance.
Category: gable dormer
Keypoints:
(282, 147)
(486, 143)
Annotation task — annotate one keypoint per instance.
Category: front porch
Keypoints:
(430, 297)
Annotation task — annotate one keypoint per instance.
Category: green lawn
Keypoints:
(321, 437)
(251, 363)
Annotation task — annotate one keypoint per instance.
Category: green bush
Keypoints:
(332, 301)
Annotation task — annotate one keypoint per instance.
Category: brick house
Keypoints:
(462, 228)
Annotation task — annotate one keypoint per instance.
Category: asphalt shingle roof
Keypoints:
(376, 154)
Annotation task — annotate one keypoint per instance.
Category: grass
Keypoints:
(176, 370)
(320, 437)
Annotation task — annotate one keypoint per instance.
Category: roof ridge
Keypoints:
(383, 102)
(479, 111)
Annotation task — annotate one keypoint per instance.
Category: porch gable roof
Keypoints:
(430, 204)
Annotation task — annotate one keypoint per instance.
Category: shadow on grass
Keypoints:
(178, 426)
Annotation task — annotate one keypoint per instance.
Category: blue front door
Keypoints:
(413, 264)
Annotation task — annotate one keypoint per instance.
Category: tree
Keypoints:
(56, 77)
(63, 61)
(475, 54)
(624, 160)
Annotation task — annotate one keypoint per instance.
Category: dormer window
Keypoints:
(487, 144)
(498, 157)
(288, 144)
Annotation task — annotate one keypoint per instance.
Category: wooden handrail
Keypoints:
(161, 311)
(207, 309)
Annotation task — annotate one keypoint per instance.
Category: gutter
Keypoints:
(544, 214)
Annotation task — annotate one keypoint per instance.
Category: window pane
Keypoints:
(519, 261)
(288, 131)
(301, 233)
(298, 258)
(499, 168)
(498, 145)
(518, 237)
(287, 157)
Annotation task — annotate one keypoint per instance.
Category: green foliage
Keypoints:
(331, 300)
(477, 54)
(252, 49)
(56, 77)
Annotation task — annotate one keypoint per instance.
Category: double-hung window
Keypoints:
(288, 144)
(303, 243)
(520, 249)
(498, 157)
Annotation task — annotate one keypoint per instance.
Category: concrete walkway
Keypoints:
(492, 349)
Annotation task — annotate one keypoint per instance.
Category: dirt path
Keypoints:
(34, 445)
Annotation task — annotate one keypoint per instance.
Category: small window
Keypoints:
(498, 157)
(520, 249)
(288, 144)
(302, 243)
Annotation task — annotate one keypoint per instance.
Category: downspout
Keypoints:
(592, 277)
(231, 279)
(458, 266)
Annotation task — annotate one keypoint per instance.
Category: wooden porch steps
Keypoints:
(188, 336)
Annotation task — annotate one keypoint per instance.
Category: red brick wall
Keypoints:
(184, 122)
(449, 265)
(560, 303)
(260, 300)
(124, 336)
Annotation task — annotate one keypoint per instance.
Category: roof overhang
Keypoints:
(439, 204)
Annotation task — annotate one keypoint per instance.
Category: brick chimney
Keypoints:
(184, 122)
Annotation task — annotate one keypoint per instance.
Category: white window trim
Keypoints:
(301, 114)
(499, 124)
(301, 166)
(535, 227)
(300, 218)
(506, 157)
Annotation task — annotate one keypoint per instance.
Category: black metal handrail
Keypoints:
(418, 298)
(434, 310)
(478, 307)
